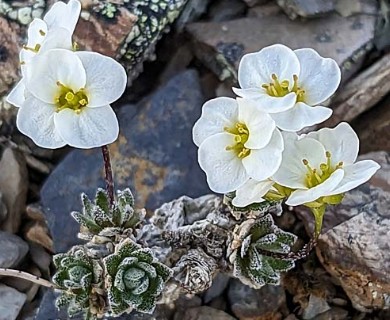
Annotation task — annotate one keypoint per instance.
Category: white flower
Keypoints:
(54, 31)
(322, 164)
(68, 96)
(288, 84)
(236, 142)
(251, 192)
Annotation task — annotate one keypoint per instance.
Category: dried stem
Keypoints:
(108, 174)
(26, 276)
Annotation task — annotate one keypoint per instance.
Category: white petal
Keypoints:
(324, 189)
(319, 77)
(35, 119)
(300, 116)
(216, 115)
(342, 142)
(17, 97)
(53, 66)
(256, 69)
(262, 163)
(58, 38)
(224, 170)
(260, 124)
(292, 171)
(106, 78)
(93, 127)
(36, 32)
(63, 15)
(356, 174)
(251, 192)
(267, 103)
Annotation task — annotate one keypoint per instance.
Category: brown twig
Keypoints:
(108, 174)
(26, 276)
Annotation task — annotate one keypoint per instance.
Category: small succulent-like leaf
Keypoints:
(253, 261)
(102, 201)
(87, 205)
(63, 300)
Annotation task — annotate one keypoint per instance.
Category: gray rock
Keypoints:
(13, 186)
(220, 282)
(3, 209)
(204, 313)
(316, 306)
(12, 250)
(11, 302)
(267, 303)
(306, 9)
(191, 12)
(154, 156)
(226, 10)
(252, 3)
(382, 178)
(221, 45)
(356, 253)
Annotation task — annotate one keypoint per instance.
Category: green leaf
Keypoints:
(102, 201)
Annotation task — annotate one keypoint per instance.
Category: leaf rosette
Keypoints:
(255, 251)
(101, 220)
(79, 278)
(135, 278)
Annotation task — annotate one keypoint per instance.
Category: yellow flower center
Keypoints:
(68, 99)
(241, 135)
(315, 177)
(278, 88)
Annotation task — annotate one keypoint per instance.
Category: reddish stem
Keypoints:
(108, 174)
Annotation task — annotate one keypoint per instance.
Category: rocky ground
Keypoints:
(348, 275)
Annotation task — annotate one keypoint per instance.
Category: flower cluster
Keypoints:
(64, 95)
(249, 145)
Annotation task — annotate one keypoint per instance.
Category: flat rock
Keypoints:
(154, 156)
(204, 313)
(221, 45)
(13, 187)
(11, 302)
(316, 306)
(12, 250)
(373, 127)
(267, 303)
(306, 9)
(356, 252)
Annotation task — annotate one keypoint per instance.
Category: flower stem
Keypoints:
(318, 213)
(26, 276)
(108, 174)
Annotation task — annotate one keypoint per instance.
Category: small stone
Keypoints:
(226, 10)
(267, 303)
(191, 12)
(334, 313)
(35, 212)
(204, 313)
(13, 187)
(356, 253)
(154, 156)
(40, 257)
(220, 46)
(37, 232)
(316, 306)
(11, 302)
(12, 250)
(220, 282)
(252, 3)
(306, 9)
